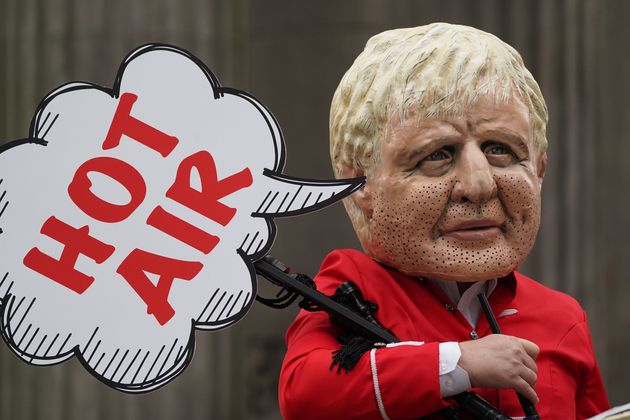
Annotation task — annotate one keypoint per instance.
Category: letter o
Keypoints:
(97, 208)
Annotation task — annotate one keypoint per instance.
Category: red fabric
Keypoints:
(569, 383)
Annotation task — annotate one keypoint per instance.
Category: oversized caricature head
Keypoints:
(448, 126)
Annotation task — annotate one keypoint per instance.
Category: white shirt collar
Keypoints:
(467, 303)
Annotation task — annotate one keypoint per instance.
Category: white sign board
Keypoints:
(132, 216)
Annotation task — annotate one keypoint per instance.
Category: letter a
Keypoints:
(138, 262)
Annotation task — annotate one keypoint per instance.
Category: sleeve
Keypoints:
(399, 381)
(453, 378)
(591, 398)
(582, 383)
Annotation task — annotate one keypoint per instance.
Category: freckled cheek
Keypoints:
(521, 199)
(415, 207)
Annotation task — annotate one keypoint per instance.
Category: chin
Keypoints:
(482, 265)
(466, 274)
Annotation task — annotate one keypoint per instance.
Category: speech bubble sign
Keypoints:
(132, 216)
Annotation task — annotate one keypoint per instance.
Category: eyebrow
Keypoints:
(510, 135)
(432, 144)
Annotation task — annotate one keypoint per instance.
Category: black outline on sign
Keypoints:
(351, 184)
(185, 353)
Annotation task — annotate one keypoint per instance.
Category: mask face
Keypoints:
(456, 198)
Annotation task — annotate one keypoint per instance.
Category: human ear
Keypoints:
(361, 198)
(541, 167)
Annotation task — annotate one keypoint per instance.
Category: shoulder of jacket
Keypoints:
(546, 298)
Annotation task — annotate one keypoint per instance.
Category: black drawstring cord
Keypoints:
(285, 297)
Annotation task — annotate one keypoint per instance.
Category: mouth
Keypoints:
(475, 230)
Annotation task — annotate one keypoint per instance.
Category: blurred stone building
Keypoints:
(290, 54)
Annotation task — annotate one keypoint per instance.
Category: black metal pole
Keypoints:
(267, 270)
(528, 408)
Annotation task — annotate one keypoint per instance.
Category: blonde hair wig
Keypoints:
(430, 71)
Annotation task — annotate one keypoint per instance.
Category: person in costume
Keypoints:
(449, 129)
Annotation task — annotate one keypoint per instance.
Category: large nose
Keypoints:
(474, 181)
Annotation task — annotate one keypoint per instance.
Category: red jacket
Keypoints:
(569, 382)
